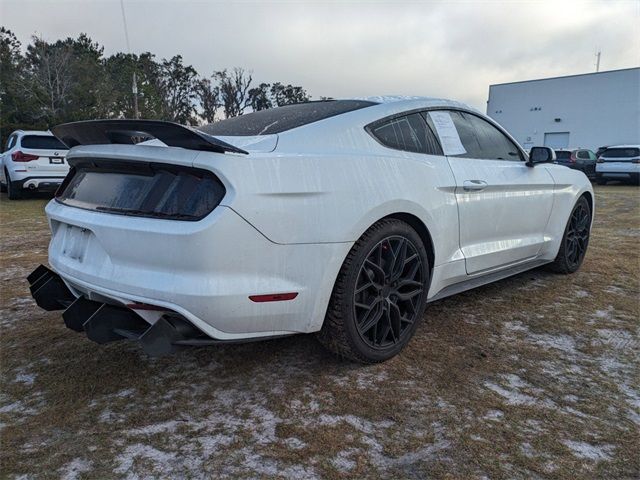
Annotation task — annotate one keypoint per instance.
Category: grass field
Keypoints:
(537, 376)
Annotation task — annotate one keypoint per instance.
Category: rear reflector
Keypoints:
(273, 297)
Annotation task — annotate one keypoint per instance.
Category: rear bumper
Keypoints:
(104, 322)
(39, 183)
(618, 170)
(203, 271)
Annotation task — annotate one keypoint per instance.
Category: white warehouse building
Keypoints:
(586, 111)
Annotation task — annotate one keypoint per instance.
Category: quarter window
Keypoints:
(583, 154)
(409, 133)
(482, 140)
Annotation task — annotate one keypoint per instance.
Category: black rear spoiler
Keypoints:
(130, 132)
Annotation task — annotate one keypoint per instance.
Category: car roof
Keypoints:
(623, 146)
(34, 132)
(402, 103)
(308, 115)
(570, 149)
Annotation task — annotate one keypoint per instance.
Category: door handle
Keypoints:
(474, 185)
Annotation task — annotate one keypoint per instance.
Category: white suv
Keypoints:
(34, 161)
(620, 162)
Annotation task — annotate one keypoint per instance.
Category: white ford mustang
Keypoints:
(343, 217)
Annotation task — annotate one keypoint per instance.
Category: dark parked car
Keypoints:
(579, 159)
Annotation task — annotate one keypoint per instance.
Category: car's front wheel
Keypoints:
(575, 239)
(380, 294)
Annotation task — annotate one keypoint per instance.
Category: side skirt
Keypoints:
(485, 279)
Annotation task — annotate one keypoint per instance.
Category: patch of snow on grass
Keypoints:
(25, 378)
(493, 415)
(17, 407)
(342, 462)
(75, 469)
(157, 457)
(512, 394)
(294, 443)
(564, 343)
(588, 451)
(619, 339)
(615, 290)
(365, 426)
(604, 314)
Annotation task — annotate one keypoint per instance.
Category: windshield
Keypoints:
(277, 120)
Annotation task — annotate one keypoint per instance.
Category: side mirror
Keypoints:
(541, 155)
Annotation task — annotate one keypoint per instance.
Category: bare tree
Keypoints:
(208, 96)
(234, 91)
(50, 78)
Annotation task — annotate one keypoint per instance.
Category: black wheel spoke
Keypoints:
(373, 270)
(373, 316)
(364, 287)
(395, 318)
(399, 257)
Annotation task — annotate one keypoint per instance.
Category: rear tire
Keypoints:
(379, 296)
(575, 239)
(13, 191)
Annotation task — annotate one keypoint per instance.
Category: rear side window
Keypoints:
(277, 120)
(11, 142)
(409, 133)
(621, 152)
(583, 154)
(42, 142)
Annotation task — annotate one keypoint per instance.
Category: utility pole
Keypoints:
(598, 61)
(134, 89)
(134, 85)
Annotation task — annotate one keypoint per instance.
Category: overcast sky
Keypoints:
(452, 49)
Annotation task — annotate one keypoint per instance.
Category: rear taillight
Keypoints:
(572, 158)
(19, 156)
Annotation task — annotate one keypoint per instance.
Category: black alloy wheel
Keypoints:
(577, 236)
(575, 241)
(388, 292)
(379, 295)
